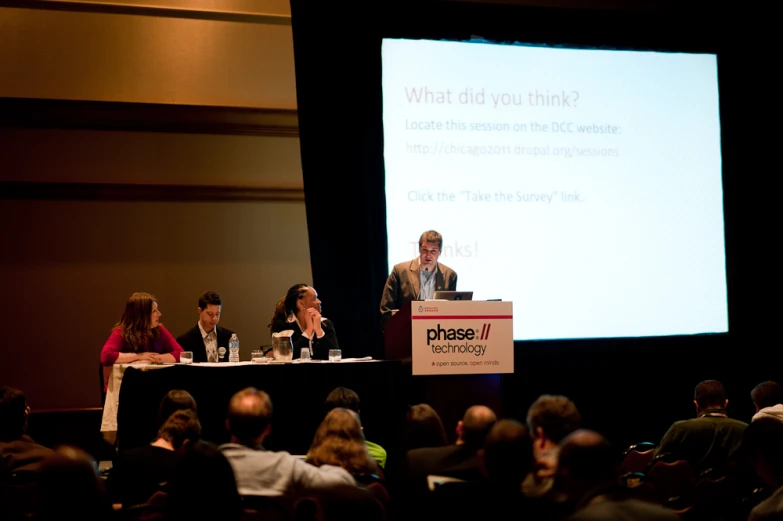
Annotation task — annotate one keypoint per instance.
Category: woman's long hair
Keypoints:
(423, 428)
(135, 324)
(287, 304)
(339, 441)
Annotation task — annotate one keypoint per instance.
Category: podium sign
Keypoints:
(462, 337)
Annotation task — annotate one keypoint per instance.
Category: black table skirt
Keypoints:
(298, 392)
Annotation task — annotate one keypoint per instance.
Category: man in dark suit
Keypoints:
(419, 278)
(206, 338)
(456, 461)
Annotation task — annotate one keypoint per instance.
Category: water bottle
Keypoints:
(233, 349)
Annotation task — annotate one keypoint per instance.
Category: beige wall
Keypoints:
(69, 265)
(90, 56)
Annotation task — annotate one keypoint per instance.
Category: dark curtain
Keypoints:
(338, 81)
(337, 52)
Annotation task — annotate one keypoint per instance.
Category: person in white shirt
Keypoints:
(206, 338)
(300, 311)
(417, 279)
(260, 472)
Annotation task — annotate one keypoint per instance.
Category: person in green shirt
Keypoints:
(348, 399)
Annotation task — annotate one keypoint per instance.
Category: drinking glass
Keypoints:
(305, 355)
(283, 348)
(335, 355)
(256, 355)
(186, 357)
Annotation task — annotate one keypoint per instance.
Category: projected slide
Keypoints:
(583, 185)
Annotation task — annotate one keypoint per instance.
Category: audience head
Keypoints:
(423, 428)
(761, 442)
(70, 487)
(766, 394)
(13, 414)
(586, 462)
(175, 400)
(339, 441)
(139, 321)
(209, 307)
(249, 417)
(343, 397)
(507, 455)
(430, 247)
(181, 428)
(550, 419)
(203, 465)
(709, 394)
(472, 430)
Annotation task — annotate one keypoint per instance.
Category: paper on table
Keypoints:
(357, 359)
(220, 364)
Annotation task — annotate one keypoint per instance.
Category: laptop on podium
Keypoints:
(452, 295)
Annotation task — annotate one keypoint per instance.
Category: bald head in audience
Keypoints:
(472, 430)
(586, 462)
(249, 417)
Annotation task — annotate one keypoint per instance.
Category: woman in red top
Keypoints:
(139, 336)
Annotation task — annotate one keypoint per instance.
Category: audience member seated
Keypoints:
(300, 310)
(550, 419)
(423, 428)
(175, 400)
(505, 460)
(203, 486)
(348, 399)
(768, 399)
(142, 471)
(456, 461)
(339, 441)
(71, 488)
(763, 444)
(260, 472)
(712, 439)
(139, 337)
(206, 337)
(589, 473)
(20, 457)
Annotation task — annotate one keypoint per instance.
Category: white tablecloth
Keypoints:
(109, 421)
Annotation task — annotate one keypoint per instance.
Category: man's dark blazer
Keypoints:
(192, 341)
(404, 284)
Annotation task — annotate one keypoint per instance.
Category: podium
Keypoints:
(450, 389)
(452, 337)
(397, 334)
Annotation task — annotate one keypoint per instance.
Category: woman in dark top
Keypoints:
(300, 311)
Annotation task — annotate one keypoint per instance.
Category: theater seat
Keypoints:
(637, 457)
(672, 480)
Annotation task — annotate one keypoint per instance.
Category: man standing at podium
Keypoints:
(419, 278)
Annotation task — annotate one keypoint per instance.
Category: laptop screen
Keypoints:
(453, 295)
